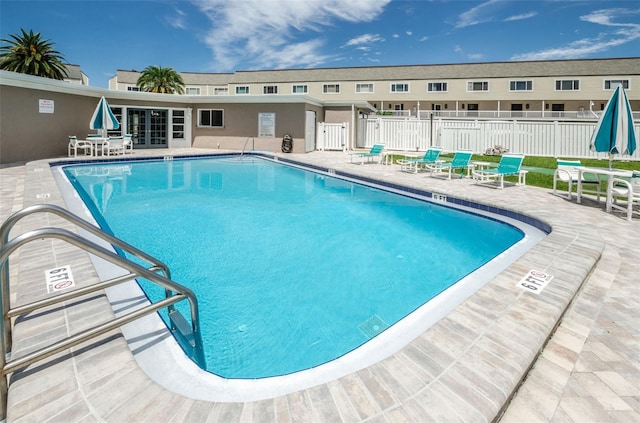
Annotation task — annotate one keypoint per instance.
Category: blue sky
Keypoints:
(229, 35)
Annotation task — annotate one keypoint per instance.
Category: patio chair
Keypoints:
(509, 165)
(461, 160)
(113, 145)
(413, 165)
(127, 143)
(567, 172)
(629, 193)
(375, 151)
(75, 144)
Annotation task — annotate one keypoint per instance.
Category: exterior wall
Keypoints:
(26, 134)
(241, 123)
(543, 74)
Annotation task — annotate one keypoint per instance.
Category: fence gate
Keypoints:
(333, 136)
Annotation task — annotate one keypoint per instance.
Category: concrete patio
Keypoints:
(576, 346)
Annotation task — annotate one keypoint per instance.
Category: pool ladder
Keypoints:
(189, 334)
(253, 145)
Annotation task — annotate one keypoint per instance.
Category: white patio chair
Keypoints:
(127, 143)
(75, 144)
(567, 172)
(628, 192)
(115, 145)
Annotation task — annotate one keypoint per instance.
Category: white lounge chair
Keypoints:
(461, 160)
(629, 193)
(567, 172)
(75, 144)
(374, 152)
(413, 165)
(509, 165)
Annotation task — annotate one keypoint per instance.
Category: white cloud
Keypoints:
(621, 33)
(278, 34)
(177, 19)
(490, 11)
(364, 39)
(480, 14)
(409, 33)
(521, 17)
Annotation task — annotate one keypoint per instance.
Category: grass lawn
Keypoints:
(543, 167)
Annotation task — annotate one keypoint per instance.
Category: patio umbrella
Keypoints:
(614, 133)
(103, 118)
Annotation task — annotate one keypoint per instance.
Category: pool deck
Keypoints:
(576, 345)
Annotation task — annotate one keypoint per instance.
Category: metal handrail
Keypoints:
(174, 291)
(253, 145)
(6, 227)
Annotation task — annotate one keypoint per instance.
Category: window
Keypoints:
(331, 88)
(567, 85)
(299, 89)
(211, 118)
(220, 91)
(437, 87)
(192, 91)
(133, 88)
(611, 84)
(177, 122)
(477, 86)
(270, 89)
(364, 88)
(399, 87)
(242, 90)
(520, 85)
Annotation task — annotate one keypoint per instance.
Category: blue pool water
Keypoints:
(292, 268)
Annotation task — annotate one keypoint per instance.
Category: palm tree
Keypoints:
(157, 79)
(31, 55)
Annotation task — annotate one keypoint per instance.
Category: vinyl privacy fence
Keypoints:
(534, 138)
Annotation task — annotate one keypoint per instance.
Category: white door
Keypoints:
(310, 132)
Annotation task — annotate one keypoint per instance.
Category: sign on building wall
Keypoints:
(266, 125)
(45, 106)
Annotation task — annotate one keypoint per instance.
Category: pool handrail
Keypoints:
(174, 291)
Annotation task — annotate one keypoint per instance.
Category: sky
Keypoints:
(229, 35)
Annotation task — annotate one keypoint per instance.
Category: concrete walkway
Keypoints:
(467, 367)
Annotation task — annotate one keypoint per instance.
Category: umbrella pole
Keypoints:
(610, 161)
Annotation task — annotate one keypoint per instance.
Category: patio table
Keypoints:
(609, 173)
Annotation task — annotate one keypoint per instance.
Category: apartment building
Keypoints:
(532, 89)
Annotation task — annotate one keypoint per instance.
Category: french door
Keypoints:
(148, 127)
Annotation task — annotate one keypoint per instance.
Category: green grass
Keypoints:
(545, 180)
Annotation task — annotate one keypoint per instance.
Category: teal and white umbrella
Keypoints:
(614, 133)
(103, 118)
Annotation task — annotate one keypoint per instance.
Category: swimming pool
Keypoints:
(395, 266)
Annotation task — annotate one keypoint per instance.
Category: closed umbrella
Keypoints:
(614, 133)
(103, 118)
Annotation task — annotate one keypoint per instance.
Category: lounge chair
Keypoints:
(413, 165)
(376, 151)
(461, 160)
(509, 165)
(75, 144)
(567, 172)
(629, 193)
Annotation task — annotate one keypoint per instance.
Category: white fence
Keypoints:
(534, 138)
(332, 136)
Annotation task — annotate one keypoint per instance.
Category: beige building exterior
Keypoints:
(37, 116)
(535, 89)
